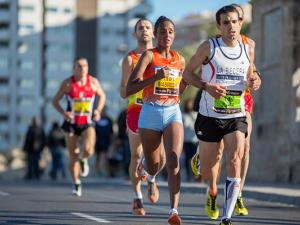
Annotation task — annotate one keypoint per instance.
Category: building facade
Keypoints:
(114, 39)
(39, 40)
(275, 154)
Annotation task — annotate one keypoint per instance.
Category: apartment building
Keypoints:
(39, 40)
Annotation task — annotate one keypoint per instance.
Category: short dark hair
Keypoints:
(140, 20)
(79, 58)
(160, 20)
(224, 10)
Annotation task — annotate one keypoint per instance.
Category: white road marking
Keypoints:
(86, 216)
(4, 193)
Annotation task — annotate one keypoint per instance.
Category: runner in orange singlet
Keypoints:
(143, 33)
(159, 74)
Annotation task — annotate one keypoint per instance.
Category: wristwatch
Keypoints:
(258, 73)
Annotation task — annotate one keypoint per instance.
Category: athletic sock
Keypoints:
(172, 211)
(231, 191)
(139, 195)
(151, 179)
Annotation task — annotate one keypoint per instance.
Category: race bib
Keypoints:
(169, 85)
(139, 98)
(229, 104)
(81, 106)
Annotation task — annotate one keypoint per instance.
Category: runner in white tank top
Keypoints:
(226, 71)
(228, 66)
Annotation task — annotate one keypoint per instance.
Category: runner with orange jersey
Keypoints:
(159, 74)
(143, 32)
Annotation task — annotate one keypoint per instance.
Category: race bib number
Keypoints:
(81, 106)
(169, 85)
(229, 104)
(139, 98)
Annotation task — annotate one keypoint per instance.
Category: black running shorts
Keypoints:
(74, 128)
(211, 129)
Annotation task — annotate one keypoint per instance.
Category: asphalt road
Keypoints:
(109, 202)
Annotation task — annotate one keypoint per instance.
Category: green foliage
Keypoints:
(246, 29)
(187, 52)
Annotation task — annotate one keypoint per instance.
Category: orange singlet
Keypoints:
(164, 91)
(247, 97)
(135, 101)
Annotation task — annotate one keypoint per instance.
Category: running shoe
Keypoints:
(211, 207)
(226, 222)
(195, 164)
(240, 208)
(84, 167)
(153, 192)
(137, 207)
(77, 190)
(174, 219)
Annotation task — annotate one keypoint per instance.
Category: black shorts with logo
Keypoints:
(74, 128)
(211, 129)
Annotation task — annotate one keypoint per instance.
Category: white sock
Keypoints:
(139, 195)
(231, 192)
(151, 179)
(77, 182)
(172, 211)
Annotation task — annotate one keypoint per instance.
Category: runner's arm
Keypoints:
(183, 83)
(254, 80)
(126, 71)
(101, 102)
(64, 87)
(135, 82)
(201, 55)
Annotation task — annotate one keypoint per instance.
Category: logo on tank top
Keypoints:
(173, 62)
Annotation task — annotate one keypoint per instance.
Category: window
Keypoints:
(4, 6)
(23, 48)
(4, 44)
(67, 10)
(51, 9)
(26, 83)
(52, 66)
(4, 62)
(26, 8)
(26, 101)
(26, 64)
(25, 29)
(52, 84)
(66, 66)
(4, 26)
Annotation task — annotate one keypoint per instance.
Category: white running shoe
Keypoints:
(84, 167)
(77, 190)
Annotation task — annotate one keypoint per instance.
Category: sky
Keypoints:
(177, 9)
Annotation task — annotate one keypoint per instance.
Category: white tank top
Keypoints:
(228, 66)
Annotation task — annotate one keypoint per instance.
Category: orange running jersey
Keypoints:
(164, 91)
(135, 100)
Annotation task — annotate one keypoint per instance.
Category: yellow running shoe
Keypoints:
(240, 209)
(211, 207)
(195, 164)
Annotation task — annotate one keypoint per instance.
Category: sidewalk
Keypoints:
(280, 193)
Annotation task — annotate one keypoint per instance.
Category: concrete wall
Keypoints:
(275, 153)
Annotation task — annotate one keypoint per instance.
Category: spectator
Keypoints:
(34, 144)
(123, 137)
(104, 133)
(56, 143)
